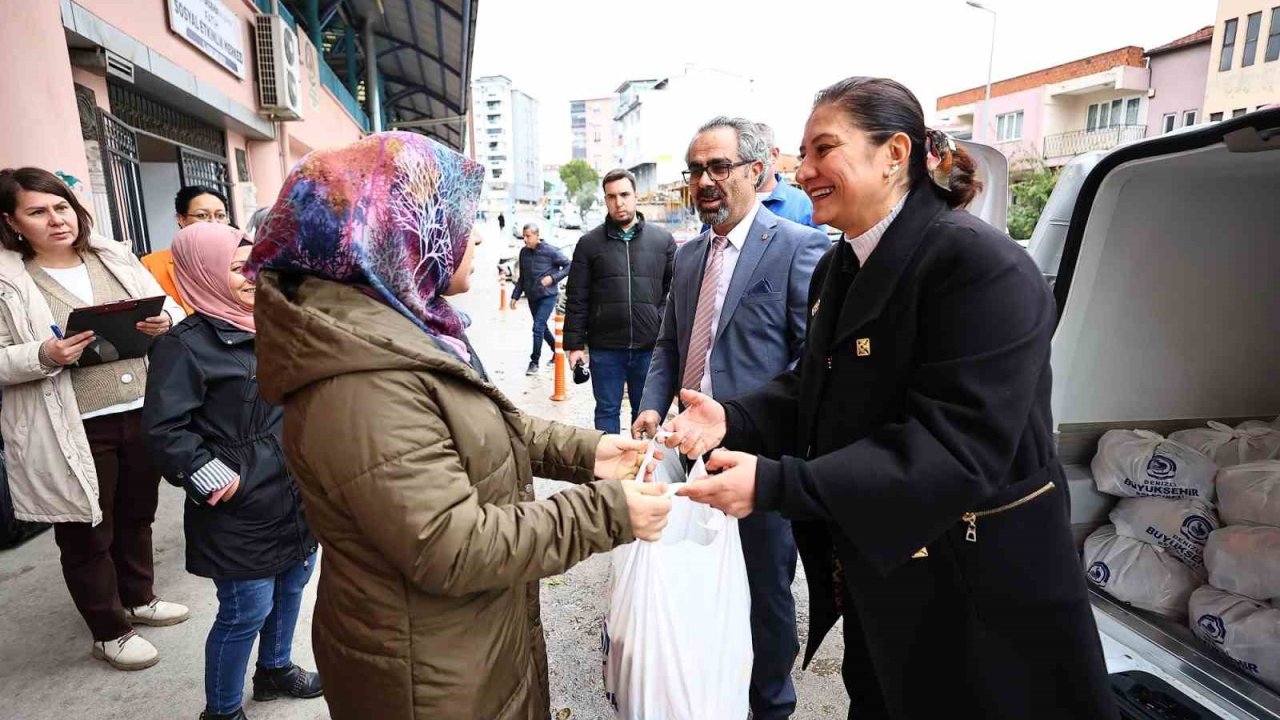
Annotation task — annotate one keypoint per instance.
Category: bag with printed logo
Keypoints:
(1245, 560)
(1246, 631)
(677, 637)
(1138, 573)
(1232, 446)
(1180, 526)
(1249, 494)
(1140, 463)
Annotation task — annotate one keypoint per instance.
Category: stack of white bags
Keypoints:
(1167, 551)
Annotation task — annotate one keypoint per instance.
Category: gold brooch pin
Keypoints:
(863, 347)
(814, 311)
(921, 553)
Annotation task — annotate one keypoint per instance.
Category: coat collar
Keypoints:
(877, 281)
(227, 333)
(612, 230)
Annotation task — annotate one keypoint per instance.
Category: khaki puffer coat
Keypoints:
(417, 476)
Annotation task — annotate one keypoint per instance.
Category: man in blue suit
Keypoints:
(735, 318)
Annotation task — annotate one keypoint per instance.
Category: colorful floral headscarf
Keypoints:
(392, 212)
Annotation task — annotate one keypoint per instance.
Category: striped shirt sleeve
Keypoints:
(212, 476)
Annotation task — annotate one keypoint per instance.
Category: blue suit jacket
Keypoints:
(762, 324)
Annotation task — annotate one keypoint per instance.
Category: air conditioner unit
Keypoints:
(279, 68)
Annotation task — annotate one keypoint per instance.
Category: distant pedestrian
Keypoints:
(779, 196)
(542, 267)
(502, 222)
(617, 290)
(77, 457)
(212, 435)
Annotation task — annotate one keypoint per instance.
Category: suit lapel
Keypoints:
(753, 248)
(877, 281)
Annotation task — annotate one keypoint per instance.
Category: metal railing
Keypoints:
(1078, 142)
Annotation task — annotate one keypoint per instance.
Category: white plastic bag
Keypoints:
(1232, 446)
(1180, 526)
(1247, 632)
(1140, 463)
(1249, 494)
(1259, 425)
(1245, 561)
(677, 638)
(1140, 574)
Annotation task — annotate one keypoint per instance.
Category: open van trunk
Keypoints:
(1169, 316)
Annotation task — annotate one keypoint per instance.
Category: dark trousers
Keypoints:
(610, 371)
(541, 311)
(770, 553)
(109, 567)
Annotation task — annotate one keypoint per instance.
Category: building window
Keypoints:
(1251, 31)
(1273, 40)
(1009, 126)
(1114, 113)
(1238, 112)
(1131, 111)
(1092, 124)
(1215, 117)
(497, 173)
(1189, 117)
(1170, 122)
(1228, 44)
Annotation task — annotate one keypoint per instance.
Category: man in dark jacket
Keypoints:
(618, 286)
(542, 267)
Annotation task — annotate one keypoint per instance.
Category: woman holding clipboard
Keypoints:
(76, 453)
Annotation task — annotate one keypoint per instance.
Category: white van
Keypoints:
(1167, 280)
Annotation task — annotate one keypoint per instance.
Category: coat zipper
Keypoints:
(631, 320)
(971, 532)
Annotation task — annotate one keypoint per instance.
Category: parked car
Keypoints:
(570, 219)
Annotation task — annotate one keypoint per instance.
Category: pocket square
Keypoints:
(763, 287)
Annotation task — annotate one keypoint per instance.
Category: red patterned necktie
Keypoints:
(700, 337)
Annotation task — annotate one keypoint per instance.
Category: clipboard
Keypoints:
(114, 325)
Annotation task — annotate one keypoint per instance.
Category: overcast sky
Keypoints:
(560, 50)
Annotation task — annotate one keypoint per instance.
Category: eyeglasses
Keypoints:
(202, 216)
(717, 170)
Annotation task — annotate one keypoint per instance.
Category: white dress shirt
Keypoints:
(867, 241)
(737, 238)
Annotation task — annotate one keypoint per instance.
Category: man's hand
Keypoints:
(575, 356)
(646, 426)
(618, 458)
(547, 281)
(513, 303)
(733, 491)
(648, 509)
(700, 428)
(157, 325)
(68, 351)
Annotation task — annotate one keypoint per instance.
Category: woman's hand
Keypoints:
(648, 509)
(157, 325)
(67, 351)
(618, 458)
(733, 491)
(701, 427)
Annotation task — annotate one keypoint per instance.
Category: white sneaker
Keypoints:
(131, 651)
(158, 613)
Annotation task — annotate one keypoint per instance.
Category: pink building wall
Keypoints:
(1178, 78)
(1031, 103)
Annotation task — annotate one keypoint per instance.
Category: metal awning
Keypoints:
(424, 50)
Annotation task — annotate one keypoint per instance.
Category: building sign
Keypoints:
(210, 26)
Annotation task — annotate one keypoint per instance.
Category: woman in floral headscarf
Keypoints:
(417, 473)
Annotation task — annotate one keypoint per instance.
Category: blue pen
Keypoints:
(57, 332)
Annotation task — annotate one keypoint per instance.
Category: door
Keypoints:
(123, 173)
(201, 168)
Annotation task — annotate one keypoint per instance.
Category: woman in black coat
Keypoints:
(212, 435)
(913, 447)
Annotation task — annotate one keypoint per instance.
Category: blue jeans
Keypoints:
(267, 607)
(541, 311)
(610, 369)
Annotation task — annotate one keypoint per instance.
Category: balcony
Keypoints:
(1069, 144)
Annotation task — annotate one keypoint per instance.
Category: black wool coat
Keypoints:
(203, 403)
(923, 396)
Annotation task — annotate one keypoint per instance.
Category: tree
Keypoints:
(1030, 193)
(580, 181)
(547, 187)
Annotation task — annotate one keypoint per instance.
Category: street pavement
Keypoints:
(46, 672)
